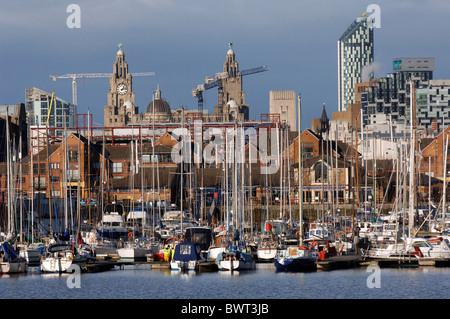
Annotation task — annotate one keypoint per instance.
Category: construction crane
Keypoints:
(89, 75)
(217, 81)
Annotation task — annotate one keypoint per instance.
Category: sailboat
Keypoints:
(235, 259)
(133, 248)
(268, 246)
(297, 258)
(235, 256)
(57, 259)
(10, 262)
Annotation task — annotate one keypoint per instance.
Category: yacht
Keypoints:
(113, 224)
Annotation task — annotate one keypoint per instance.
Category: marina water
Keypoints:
(141, 282)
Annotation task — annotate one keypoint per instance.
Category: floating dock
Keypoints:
(406, 262)
(339, 262)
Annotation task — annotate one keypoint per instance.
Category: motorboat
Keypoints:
(113, 224)
(187, 256)
(320, 231)
(134, 251)
(201, 235)
(106, 248)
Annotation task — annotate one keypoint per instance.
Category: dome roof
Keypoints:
(161, 106)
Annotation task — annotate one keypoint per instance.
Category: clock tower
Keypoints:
(120, 110)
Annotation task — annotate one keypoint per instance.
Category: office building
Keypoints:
(390, 95)
(284, 103)
(40, 111)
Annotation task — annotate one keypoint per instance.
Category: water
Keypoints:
(141, 282)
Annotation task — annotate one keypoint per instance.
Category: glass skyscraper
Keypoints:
(355, 57)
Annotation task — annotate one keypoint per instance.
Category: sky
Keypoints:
(183, 41)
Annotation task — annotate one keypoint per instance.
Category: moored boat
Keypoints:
(296, 259)
(133, 252)
(113, 224)
(57, 259)
(235, 258)
(10, 262)
(187, 256)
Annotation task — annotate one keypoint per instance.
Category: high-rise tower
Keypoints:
(355, 56)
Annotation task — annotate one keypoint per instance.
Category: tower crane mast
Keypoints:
(90, 75)
(217, 81)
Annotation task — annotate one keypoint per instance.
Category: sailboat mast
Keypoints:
(181, 176)
(411, 163)
(300, 172)
(9, 176)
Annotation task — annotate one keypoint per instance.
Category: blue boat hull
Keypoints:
(301, 264)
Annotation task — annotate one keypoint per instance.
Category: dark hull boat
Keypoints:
(296, 259)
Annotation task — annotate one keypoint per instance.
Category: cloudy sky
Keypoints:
(183, 41)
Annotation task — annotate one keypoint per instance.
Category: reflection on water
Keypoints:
(141, 282)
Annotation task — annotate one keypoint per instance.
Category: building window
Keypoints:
(74, 175)
(73, 156)
(321, 172)
(117, 167)
(39, 182)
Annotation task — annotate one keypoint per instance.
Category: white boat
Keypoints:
(105, 248)
(235, 260)
(267, 249)
(174, 223)
(435, 247)
(10, 262)
(113, 224)
(219, 246)
(13, 267)
(320, 231)
(133, 251)
(58, 258)
(385, 250)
